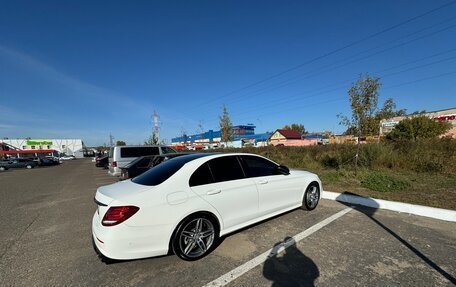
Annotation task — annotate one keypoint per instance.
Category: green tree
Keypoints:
(418, 127)
(366, 117)
(363, 97)
(152, 140)
(296, 127)
(226, 127)
(120, 143)
(389, 111)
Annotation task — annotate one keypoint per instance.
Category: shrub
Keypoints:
(425, 155)
(420, 127)
(383, 183)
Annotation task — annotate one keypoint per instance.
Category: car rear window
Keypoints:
(165, 170)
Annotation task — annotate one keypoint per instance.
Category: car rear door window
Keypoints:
(258, 166)
(201, 176)
(226, 168)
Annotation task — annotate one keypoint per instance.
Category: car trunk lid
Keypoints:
(108, 194)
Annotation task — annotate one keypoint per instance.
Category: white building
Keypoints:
(67, 146)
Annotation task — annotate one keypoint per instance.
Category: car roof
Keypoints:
(222, 154)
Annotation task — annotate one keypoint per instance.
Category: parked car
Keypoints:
(55, 159)
(47, 162)
(102, 162)
(187, 203)
(3, 165)
(144, 163)
(18, 163)
(120, 156)
(67, 157)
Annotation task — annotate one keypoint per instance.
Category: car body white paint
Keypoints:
(235, 204)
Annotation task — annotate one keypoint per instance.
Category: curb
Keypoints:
(432, 212)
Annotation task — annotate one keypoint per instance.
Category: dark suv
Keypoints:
(142, 164)
(17, 163)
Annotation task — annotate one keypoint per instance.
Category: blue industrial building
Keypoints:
(240, 132)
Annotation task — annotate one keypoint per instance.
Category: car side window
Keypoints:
(226, 168)
(166, 150)
(201, 176)
(257, 166)
(144, 163)
(156, 161)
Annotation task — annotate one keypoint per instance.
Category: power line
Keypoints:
(297, 97)
(337, 50)
(332, 67)
(344, 98)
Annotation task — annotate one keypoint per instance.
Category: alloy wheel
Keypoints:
(197, 237)
(312, 196)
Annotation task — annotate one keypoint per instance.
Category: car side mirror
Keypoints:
(281, 169)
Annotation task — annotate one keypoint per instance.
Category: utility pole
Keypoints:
(111, 140)
(156, 127)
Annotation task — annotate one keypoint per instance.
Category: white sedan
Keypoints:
(186, 204)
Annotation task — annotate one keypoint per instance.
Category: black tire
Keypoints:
(311, 197)
(180, 242)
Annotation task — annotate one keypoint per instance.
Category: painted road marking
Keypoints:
(239, 271)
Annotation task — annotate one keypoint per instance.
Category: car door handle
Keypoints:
(214, 191)
(263, 181)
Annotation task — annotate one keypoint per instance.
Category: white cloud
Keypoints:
(84, 90)
(6, 126)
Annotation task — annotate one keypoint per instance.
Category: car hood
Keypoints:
(119, 191)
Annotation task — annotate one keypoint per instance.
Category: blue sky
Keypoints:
(89, 68)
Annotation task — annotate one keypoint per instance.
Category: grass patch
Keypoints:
(383, 183)
(418, 172)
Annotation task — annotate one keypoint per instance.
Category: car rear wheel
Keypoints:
(195, 237)
(311, 197)
(29, 166)
(2, 168)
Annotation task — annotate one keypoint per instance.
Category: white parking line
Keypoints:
(239, 271)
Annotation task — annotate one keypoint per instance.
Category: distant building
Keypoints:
(67, 146)
(448, 115)
(283, 137)
(241, 134)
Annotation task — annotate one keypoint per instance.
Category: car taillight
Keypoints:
(114, 164)
(118, 214)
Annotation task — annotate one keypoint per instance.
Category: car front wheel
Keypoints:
(2, 168)
(195, 237)
(311, 197)
(29, 166)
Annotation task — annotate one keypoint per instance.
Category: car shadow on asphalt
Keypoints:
(371, 210)
(291, 267)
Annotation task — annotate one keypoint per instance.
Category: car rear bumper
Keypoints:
(114, 171)
(123, 242)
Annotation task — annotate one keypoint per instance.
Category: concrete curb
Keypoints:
(432, 212)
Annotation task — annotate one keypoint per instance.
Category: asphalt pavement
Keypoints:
(46, 241)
